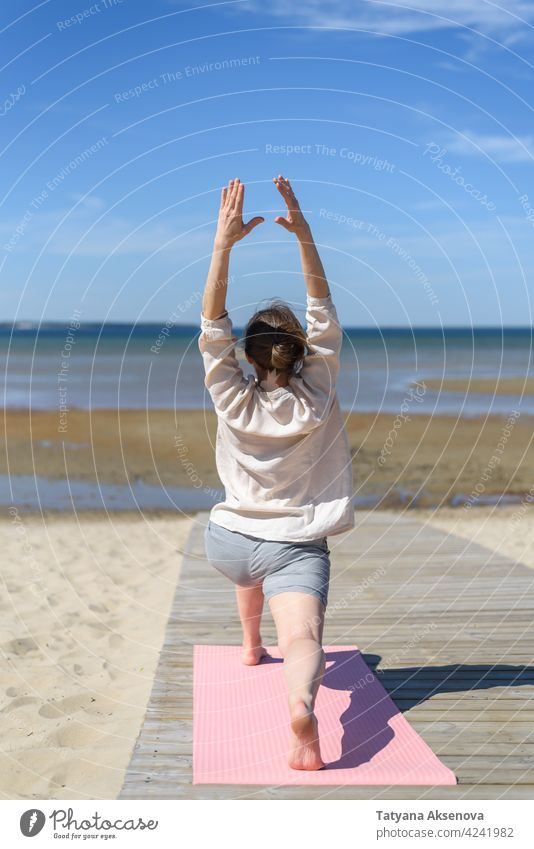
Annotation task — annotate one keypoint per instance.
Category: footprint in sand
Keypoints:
(101, 626)
(57, 783)
(75, 735)
(18, 703)
(96, 705)
(22, 646)
(111, 671)
(53, 599)
(65, 707)
(99, 608)
(13, 589)
(91, 665)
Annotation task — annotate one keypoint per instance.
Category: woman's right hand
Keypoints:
(230, 226)
(295, 221)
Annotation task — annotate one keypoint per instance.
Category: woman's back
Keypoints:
(282, 452)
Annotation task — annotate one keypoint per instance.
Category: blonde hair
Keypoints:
(274, 338)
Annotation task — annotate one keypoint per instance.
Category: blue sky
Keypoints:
(406, 129)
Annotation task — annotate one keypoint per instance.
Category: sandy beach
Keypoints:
(84, 608)
(507, 530)
(438, 457)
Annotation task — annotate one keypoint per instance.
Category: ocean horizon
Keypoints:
(30, 325)
(136, 365)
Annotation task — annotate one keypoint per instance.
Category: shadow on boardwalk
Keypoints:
(370, 709)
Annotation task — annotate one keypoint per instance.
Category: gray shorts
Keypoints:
(280, 567)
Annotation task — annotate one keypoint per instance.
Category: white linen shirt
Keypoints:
(282, 453)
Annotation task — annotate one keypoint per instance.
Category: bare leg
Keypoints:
(299, 619)
(250, 606)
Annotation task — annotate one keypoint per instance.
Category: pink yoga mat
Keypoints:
(241, 725)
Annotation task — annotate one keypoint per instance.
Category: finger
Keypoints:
(233, 194)
(228, 194)
(239, 199)
(223, 195)
(292, 203)
(253, 223)
(289, 189)
(283, 222)
(284, 192)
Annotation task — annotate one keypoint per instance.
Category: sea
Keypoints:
(139, 366)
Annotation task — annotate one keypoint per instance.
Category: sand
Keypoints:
(84, 607)
(438, 456)
(517, 386)
(508, 530)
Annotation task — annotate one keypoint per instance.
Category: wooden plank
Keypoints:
(446, 624)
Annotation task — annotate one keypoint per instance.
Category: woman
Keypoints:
(283, 457)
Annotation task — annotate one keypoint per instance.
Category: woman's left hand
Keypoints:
(230, 226)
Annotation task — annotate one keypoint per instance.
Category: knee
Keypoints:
(286, 643)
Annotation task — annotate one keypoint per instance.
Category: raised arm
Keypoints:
(224, 379)
(312, 267)
(230, 229)
(323, 332)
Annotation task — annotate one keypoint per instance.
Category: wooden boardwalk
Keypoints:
(447, 625)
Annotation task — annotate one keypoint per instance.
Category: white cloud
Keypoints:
(405, 16)
(89, 201)
(501, 148)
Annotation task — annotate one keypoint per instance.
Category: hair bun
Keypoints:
(274, 338)
(283, 355)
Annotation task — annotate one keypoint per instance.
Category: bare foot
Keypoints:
(252, 656)
(304, 746)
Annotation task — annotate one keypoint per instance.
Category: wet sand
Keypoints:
(517, 386)
(439, 457)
